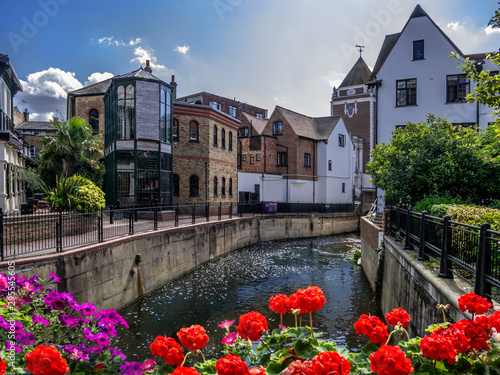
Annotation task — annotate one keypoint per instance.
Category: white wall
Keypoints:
(272, 187)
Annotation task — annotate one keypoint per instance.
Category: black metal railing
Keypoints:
(6, 124)
(48, 230)
(466, 251)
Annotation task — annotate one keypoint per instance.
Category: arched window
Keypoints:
(193, 131)
(230, 187)
(230, 141)
(126, 112)
(223, 187)
(194, 186)
(176, 185)
(176, 129)
(215, 186)
(215, 135)
(94, 120)
(223, 138)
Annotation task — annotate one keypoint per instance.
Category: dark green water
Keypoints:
(243, 281)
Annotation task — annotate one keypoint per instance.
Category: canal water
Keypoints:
(243, 281)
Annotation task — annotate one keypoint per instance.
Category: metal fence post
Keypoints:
(240, 209)
(421, 248)
(207, 211)
(2, 255)
(155, 218)
(446, 265)
(231, 210)
(193, 220)
(100, 225)
(220, 210)
(59, 232)
(176, 216)
(481, 287)
(408, 231)
(398, 218)
(131, 222)
(111, 215)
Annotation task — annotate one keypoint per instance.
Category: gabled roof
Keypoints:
(358, 75)
(391, 40)
(317, 128)
(94, 89)
(35, 125)
(139, 73)
(257, 123)
(7, 70)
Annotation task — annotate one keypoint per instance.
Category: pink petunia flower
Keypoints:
(230, 338)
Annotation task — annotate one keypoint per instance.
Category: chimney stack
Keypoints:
(148, 68)
(174, 84)
(26, 114)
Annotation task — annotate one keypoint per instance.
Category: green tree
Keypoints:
(73, 149)
(437, 158)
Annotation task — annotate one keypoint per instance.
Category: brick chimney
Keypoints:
(174, 84)
(26, 115)
(148, 68)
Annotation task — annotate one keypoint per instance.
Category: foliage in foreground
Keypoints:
(47, 332)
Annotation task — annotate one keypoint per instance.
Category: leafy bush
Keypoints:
(75, 193)
(438, 210)
(475, 215)
(429, 201)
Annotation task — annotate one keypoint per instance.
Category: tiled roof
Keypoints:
(35, 125)
(94, 89)
(257, 123)
(358, 75)
(387, 46)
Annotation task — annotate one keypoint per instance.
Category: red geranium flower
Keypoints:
(294, 304)
(372, 327)
(257, 371)
(438, 346)
(484, 321)
(398, 315)
(3, 367)
(299, 368)
(459, 340)
(474, 332)
(168, 349)
(46, 360)
(390, 360)
(473, 303)
(310, 299)
(495, 320)
(185, 371)
(252, 326)
(231, 365)
(280, 303)
(326, 363)
(193, 337)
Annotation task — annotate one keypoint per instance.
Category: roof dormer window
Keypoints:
(418, 50)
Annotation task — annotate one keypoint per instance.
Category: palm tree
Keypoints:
(72, 148)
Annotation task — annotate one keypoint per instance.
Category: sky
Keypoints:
(263, 52)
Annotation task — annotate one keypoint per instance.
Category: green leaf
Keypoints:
(165, 369)
(275, 368)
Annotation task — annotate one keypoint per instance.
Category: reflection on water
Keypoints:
(243, 281)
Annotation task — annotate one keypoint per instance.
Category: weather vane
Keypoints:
(360, 49)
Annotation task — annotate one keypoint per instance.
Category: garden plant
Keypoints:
(46, 332)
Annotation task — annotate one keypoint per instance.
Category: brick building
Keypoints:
(205, 154)
(232, 107)
(32, 132)
(295, 158)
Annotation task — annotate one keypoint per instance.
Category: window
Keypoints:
(176, 129)
(330, 165)
(259, 115)
(400, 127)
(193, 131)
(126, 112)
(176, 185)
(277, 128)
(465, 124)
(32, 151)
(223, 187)
(94, 120)
(307, 160)
(341, 140)
(418, 50)
(244, 157)
(223, 138)
(230, 141)
(165, 115)
(232, 111)
(243, 132)
(257, 157)
(282, 158)
(343, 187)
(406, 92)
(252, 158)
(194, 190)
(215, 105)
(457, 88)
(215, 135)
(230, 187)
(215, 186)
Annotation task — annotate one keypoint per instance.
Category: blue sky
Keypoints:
(264, 52)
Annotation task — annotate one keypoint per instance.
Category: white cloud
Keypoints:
(111, 41)
(455, 26)
(45, 92)
(490, 30)
(184, 49)
(146, 54)
(98, 77)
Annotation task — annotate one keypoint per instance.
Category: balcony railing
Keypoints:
(6, 124)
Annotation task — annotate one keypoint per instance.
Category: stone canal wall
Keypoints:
(116, 272)
(400, 280)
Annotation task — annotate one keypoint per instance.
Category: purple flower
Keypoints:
(101, 339)
(9, 345)
(18, 327)
(149, 364)
(3, 282)
(87, 309)
(87, 333)
(116, 353)
(68, 320)
(4, 324)
(54, 277)
(26, 338)
(131, 368)
(226, 324)
(230, 338)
